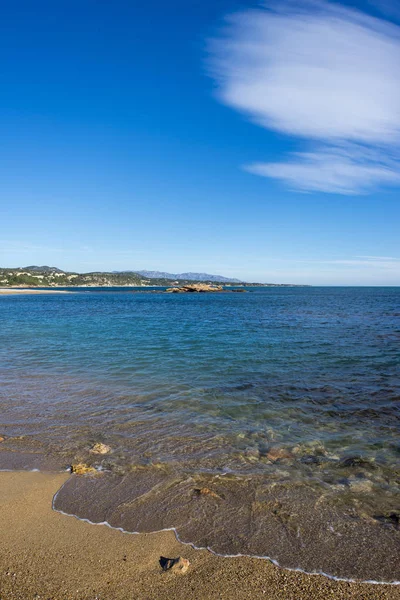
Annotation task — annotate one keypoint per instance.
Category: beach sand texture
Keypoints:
(8, 291)
(47, 555)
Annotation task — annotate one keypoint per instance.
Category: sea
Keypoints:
(263, 423)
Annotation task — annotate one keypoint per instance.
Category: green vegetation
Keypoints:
(48, 277)
(52, 277)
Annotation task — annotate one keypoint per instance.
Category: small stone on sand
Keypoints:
(178, 565)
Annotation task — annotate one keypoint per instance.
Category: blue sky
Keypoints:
(236, 138)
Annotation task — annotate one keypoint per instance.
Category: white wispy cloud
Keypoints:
(323, 73)
(329, 170)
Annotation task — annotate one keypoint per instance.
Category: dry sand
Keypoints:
(31, 291)
(48, 556)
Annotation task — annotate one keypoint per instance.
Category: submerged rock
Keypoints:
(391, 518)
(252, 454)
(356, 461)
(276, 453)
(100, 448)
(205, 491)
(315, 448)
(310, 459)
(359, 485)
(82, 469)
(178, 565)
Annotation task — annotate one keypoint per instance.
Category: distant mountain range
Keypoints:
(188, 276)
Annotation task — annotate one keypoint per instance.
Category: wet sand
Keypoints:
(44, 554)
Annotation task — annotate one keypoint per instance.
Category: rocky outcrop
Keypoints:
(195, 287)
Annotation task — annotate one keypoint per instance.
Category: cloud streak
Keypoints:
(322, 73)
(330, 170)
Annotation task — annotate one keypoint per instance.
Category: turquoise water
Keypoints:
(296, 388)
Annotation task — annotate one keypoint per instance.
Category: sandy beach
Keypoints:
(44, 554)
(4, 291)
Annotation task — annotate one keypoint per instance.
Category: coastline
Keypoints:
(6, 291)
(61, 288)
(46, 554)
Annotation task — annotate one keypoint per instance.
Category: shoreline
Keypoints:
(7, 291)
(61, 288)
(75, 559)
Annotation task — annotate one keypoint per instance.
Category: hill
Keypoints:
(35, 276)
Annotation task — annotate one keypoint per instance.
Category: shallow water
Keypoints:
(282, 402)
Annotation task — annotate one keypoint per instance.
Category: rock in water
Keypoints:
(392, 518)
(195, 287)
(204, 491)
(100, 448)
(276, 453)
(82, 469)
(178, 565)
